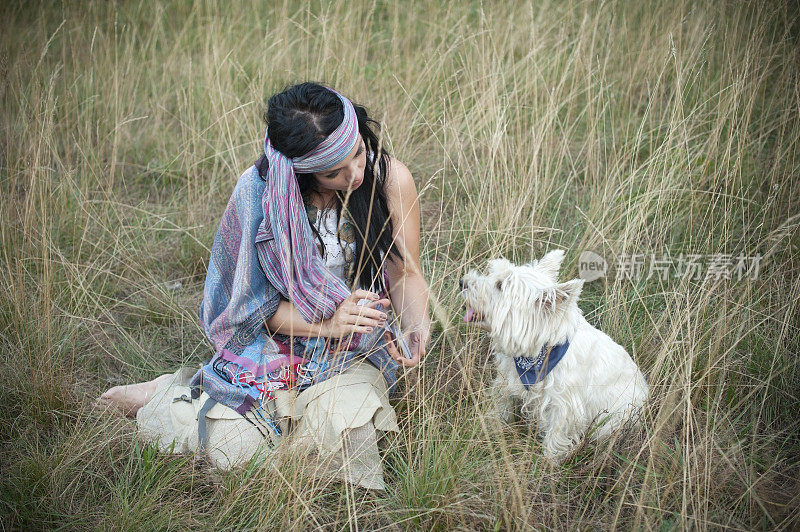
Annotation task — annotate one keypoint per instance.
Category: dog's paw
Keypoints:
(556, 448)
(555, 458)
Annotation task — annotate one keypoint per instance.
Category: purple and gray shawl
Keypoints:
(238, 299)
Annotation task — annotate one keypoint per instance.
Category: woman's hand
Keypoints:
(417, 342)
(352, 318)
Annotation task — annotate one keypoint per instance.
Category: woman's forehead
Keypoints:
(349, 157)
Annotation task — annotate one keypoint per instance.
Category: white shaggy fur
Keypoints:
(524, 308)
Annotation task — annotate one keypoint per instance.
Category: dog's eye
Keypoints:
(499, 285)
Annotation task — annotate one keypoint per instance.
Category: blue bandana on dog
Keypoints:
(534, 370)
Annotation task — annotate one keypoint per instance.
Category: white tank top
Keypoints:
(339, 245)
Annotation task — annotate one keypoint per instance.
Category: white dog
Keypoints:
(533, 317)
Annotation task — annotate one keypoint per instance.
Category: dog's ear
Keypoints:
(500, 263)
(501, 268)
(551, 262)
(562, 294)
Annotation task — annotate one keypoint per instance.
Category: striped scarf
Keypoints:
(247, 275)
(284, 240)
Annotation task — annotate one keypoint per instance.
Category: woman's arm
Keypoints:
(409, 291)
(349, 318)
(287, 320)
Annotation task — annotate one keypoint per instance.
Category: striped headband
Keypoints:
(291, 260)
(330, 151)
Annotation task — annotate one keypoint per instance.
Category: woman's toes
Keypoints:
(108, 394)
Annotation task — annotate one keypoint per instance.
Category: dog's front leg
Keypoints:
(502, 401)
(562, 433)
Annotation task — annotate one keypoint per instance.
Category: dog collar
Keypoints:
(534, 370)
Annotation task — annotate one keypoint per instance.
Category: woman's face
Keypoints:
(348, 174)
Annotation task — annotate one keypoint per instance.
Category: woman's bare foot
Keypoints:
(130, 398)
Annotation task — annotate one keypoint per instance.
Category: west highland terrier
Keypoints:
(567, 374)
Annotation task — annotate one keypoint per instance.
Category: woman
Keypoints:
(318, 245)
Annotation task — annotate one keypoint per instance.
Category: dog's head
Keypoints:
(520, 306)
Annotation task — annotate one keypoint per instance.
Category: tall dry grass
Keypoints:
(620, 127)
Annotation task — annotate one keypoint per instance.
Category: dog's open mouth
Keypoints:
(470, 316)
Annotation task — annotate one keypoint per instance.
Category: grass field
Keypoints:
(622, 127)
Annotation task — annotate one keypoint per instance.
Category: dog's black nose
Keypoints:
(461, 284)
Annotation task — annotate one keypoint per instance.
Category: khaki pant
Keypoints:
(337, 418)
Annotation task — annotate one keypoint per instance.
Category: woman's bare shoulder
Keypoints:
(399, 186)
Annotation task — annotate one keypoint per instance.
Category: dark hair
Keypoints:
(299, 119)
